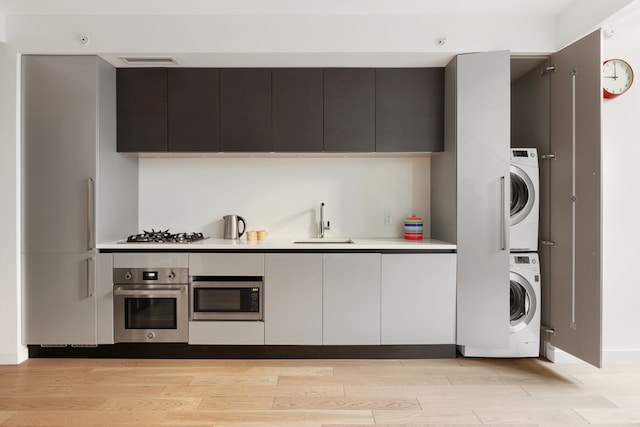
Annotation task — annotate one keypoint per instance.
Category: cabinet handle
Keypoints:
(91, 283)
(505, 213)
(574, 72)
(91, 217)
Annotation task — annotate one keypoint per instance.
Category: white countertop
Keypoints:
(272, 244)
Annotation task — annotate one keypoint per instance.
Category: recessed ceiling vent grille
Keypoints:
(149, 60)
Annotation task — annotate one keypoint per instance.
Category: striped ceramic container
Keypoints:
(413, 228)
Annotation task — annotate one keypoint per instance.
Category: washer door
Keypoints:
(522, 195)
(523, 302)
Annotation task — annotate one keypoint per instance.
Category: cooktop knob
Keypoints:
(172, 275)
(151, 335)
(128, 275)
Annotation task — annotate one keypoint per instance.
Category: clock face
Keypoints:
(617, 77)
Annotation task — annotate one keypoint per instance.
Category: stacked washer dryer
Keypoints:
(524, 322)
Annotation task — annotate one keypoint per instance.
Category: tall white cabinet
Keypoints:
(72, 182)
(471, 185)
(469, 194)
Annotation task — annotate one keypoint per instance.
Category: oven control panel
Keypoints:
(160, 276)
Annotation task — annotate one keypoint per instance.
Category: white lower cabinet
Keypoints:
(293, 299)
(226, 332)
(359, 299)
(418, 299)
(351, 299)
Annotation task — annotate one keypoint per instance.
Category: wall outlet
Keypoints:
(388, 219)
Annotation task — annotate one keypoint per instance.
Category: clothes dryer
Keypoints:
(525, 192)
(524, 321)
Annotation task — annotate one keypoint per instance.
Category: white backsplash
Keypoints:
(283, 195)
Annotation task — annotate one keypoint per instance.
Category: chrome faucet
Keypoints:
(322, 227)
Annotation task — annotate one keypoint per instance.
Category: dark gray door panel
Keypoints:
(575, 198)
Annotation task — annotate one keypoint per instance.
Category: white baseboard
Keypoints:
(14, 358)
(620, 356)
(556, 355)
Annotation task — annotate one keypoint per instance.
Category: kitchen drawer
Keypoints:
(226, 333)
(226, 264)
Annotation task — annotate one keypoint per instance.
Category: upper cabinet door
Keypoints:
(245, 110)
(194, 109)
(349, 110)
(142, 109)
(409, 109)
(297, 109)
(576, 200)
(59, 151)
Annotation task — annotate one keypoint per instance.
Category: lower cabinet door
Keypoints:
(418, 299)
(59, 299)
(104, 297)
(293, 299)
(226, 333)
(351, 299)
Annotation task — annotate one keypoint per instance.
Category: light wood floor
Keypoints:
(461, 392)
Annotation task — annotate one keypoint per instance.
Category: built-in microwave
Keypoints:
(226, 298)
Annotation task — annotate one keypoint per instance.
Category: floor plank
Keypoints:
(346, 403)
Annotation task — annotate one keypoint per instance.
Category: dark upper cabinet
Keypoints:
(245, 109)
(297, 116)
(142, 109)
(193, 109)
(280, 109)
(409, 109)
(349, 109)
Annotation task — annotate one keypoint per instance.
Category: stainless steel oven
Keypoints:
(226, 298)
(151, 305)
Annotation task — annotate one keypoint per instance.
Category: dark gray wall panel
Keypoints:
(530, 129)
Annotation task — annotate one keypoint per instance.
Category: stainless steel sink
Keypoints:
(324, 240)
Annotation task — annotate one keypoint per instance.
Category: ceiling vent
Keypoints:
(149, 60)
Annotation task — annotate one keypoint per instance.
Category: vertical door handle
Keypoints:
(91, 282)
(505, 213)
(91, 214)
(573, 325)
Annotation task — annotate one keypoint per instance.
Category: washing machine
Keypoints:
(525, 192)
(524, 319)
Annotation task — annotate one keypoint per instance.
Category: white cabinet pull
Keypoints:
(91, 216)
(91, 285)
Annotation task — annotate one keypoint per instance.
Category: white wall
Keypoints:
(283, 195)
(621, 202)
(244, 40)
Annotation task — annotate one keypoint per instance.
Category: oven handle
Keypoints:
(149, 293)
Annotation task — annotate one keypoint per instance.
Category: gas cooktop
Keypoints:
(165, 236)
